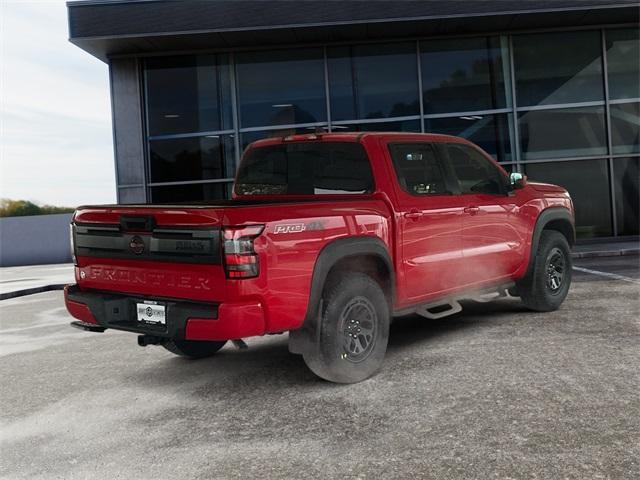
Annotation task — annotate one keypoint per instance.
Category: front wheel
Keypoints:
(354, 331)
(547, 284)
(192, 348)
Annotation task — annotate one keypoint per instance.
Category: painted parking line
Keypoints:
(613, 276)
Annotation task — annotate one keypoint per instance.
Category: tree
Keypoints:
(20, 208)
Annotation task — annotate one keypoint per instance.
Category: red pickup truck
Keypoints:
(327, 237)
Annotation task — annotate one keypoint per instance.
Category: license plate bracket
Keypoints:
(151, 313)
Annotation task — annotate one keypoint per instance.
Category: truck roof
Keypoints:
(351, 137)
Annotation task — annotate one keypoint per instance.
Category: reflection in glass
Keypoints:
(373, 81)
(489, 132)
(591, 198)
(464, 74)
(247, 137)
(626, 184)
(193, 158)
(398, 126)
(553, 68)
(625, 127)
(567, 132)
(281, 87)
(188, 94)
(190, 193)
(623, 63)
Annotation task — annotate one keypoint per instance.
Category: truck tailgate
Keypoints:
(168, 252)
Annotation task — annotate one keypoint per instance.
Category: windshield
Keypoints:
(305, 168)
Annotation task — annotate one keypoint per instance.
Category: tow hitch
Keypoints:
(144, 340)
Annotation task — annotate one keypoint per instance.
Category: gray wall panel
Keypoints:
(131, 195)
(35, 240)
(127, 121)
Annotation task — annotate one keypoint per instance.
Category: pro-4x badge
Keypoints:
(290, 228)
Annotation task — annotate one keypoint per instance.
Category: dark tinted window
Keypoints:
(417, 168)
(625, 127)
(588, 184)
(196, 192)
(489, 132)
(248, 137)
(566, 132)
(373, 81)
(188, 94)
(282, 87)
(463, 74)
(398, 126)
(192, 158)
(623, 62)
(475, 173)
(305, 168)
(552, 68)
(626, 176)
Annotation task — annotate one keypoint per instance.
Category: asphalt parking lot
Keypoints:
(493, 392)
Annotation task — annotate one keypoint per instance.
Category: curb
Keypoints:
(31, 291)
(606, 253)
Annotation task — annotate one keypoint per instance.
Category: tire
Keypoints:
(354, 331)
(193, 349)
(546, 286)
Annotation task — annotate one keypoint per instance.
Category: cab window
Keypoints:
(474, 172)
(418, 169)
(305, 168)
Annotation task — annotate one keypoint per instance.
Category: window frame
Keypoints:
(450, 185)
(504, 185)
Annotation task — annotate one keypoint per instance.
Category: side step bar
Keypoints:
(433, 311)
(87, 327)
(450, 306)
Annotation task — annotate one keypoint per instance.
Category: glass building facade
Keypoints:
(561, 107)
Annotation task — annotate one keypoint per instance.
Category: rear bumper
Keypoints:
(184, 320)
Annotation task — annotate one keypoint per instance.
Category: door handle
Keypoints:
(413, 214)
(471, 210)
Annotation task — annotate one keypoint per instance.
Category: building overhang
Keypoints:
(107, 28)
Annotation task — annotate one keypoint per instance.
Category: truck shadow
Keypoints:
(267, 364)
(414, 329)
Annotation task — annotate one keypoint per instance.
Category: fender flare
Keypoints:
(328, 257)
(546, 216)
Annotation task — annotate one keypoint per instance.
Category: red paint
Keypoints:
(79, 310)
(234, 321)
(432, 241)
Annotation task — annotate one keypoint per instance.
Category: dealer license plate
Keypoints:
(151, 312)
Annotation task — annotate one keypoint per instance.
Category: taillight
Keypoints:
(71, 244)
(240, 258)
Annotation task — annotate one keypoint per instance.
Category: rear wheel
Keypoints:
(354, 331)
(192, 348)
(546, 286)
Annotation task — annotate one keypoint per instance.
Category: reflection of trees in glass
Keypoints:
(290, 115)
(480, 71)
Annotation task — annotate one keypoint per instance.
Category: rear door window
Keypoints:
(474, 172)
(418, 168)
(305, 168)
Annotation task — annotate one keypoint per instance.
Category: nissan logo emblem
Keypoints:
(136, 245)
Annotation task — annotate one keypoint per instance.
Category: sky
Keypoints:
(55, 118)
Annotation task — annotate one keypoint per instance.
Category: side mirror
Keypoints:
(517, 180)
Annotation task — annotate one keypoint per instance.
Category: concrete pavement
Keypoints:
(492, 392)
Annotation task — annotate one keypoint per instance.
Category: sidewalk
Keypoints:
(608, 249)
(18, 281)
